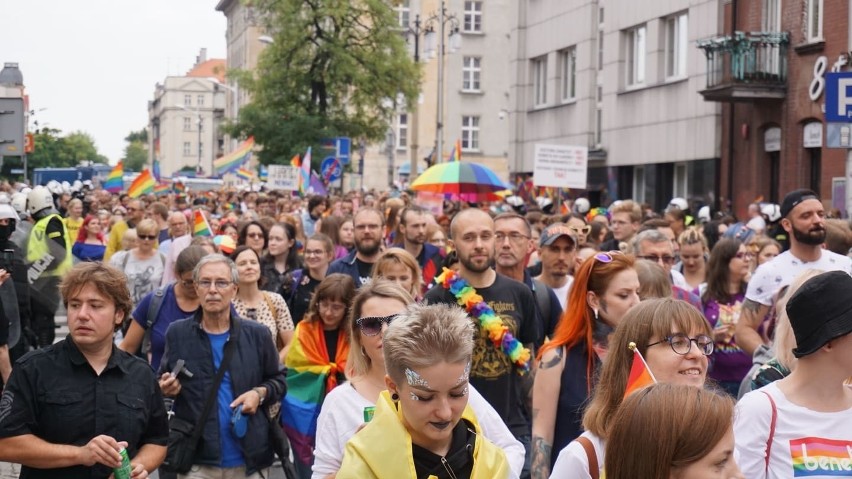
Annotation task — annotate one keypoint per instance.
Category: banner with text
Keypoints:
(561, 166)
(283, 177)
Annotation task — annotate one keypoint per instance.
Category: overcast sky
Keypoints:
(93, 64)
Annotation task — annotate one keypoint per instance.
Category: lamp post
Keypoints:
(415, 30)
(235, 103)
(440, 21)
(199, 123)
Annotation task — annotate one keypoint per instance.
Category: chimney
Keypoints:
(202, 57)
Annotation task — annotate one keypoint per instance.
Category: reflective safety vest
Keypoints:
(39, 248)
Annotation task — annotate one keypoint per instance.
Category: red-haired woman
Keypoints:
(605, 288)
(90, 245)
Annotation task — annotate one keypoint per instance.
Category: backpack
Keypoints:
(154, 308)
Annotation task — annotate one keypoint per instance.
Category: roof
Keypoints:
(211, 68)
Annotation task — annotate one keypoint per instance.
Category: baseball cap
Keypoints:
(821, 310)
(795, 197)
(554, 231)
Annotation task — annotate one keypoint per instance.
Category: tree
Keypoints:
(135, 156)
(140, 136)
(335, 68)
(51, 149)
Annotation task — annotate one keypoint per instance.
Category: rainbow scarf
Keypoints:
(488, 320)
(310, 376)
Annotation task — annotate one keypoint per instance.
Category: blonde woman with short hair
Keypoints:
(143, 264)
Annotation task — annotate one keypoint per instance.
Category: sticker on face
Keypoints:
(415, 380)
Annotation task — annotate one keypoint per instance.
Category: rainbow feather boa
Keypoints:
(477, 308)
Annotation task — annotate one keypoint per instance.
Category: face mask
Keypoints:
(6, 231)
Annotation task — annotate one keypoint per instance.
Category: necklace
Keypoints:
(477, 308)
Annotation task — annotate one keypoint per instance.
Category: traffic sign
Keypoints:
(838, 97)
(340, 147)
(331, 169)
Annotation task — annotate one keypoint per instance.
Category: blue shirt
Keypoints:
(88, 252)
(231, 456)
(169, 313)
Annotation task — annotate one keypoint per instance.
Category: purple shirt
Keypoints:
(730, 363)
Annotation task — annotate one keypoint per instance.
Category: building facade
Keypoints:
(185, 117)
(769, 64)
(622, 78)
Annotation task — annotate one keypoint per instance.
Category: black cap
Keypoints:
(554, 231)
(821, 310)
(795, 197)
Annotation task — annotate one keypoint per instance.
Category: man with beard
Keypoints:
(803, 218)
(412, 228)
(368, 224)
(492, 372)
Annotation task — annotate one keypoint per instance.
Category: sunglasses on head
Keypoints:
(372, 325)
(606, 256)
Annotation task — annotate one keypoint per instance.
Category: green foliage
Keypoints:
(336, 68)
(140, 136)
(54, 150)
(135, 156)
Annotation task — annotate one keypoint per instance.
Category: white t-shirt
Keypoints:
(573, 463)
(342, 414)
(562, 293)
(679, 280)
(783, 269)
(806, 443)
(143, 276)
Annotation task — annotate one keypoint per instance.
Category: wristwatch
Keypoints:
(260, 394)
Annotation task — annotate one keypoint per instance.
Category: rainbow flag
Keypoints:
(455, 155)
(156, 170)
(178, 186)
(143, 184)
(295, 161)
(305, 173)
(200, 227)
(640, 374)
(115, 181)
(235, 159)
(310, 376)
(245, 174)
(162, 189)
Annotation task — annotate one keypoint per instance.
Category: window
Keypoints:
(771, 21)
(598, 126)
(402, 131)
(568, 74)
(813, 18)
(187, 148)
(600, 49)
(636, 56)
(470, 73)
(199, 100)
(676, 46)
(539, 77)
(470, 133)
(472, 17)
(187, 123)
(639, 184)
(681, 181)
(187, 100)
(403, 13)
(201, 149)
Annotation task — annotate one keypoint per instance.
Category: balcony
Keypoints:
(746, 67)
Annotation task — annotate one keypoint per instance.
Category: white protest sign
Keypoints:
(283, 177)
(561, 166)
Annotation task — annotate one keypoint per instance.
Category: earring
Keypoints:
(395, 397)
(595, 310)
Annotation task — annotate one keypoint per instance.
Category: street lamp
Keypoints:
(200, 123)
(235, 104)
(440, 21)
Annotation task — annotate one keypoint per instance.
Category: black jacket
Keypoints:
(255, 363)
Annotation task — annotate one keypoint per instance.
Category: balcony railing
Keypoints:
(746, 66)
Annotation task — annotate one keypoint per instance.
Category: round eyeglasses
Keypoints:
(681, 343)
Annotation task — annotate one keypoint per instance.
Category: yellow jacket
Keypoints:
(382, 450)
(114, 243)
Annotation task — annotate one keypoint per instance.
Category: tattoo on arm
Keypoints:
(554, 361)
(751, 305)
(541, 449)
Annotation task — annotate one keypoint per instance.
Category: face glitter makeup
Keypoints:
(414, 397)
(465, 375)
(415, 379)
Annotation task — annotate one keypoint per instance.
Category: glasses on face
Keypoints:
(744, 255)
(314, 252)
(372, 325)
(606, 256)
(681, 343)
(255, 235)
(665, 259)
(147, 237)
(219, 284)
(513, 237)
(581, 231)
(334, 307)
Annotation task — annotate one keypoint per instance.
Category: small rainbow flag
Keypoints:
(115, 181)
(200, 227)
(640, 374)
(305, 176)
(156, 170)
(235, 159)
(162, 189)
(143, 184)
(178, 186)
(245, 174)
(455, 155)
(295, 161)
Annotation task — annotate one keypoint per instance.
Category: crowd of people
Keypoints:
(377, 338)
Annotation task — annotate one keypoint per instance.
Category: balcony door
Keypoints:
(771, 22)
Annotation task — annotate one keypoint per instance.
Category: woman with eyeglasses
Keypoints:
(253, 234)
(578, 226)
(695, 442)
(159, 309)
(299, 285)
(316, 364)
(267, 308)
(375, 306)
(90, 244)
(605, 287)
(282, 256)
(143, 264)
(722, 300)
(675, 341)
(424, 425)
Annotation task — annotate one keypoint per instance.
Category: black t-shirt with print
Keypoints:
(492, 372)
(365, 271)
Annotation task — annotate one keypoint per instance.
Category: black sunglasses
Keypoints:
(372, 325)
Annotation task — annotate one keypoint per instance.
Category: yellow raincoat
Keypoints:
(382, 450)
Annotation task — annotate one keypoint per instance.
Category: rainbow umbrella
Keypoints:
(462, 179)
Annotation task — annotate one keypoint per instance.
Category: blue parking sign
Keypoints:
(838, 97)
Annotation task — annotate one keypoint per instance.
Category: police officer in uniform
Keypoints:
(49, 258)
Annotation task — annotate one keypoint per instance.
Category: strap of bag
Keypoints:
(270, 305)
(771, 429)
(214, 391)
(591, 456)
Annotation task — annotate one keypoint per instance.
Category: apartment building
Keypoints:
(185, 116)
(622, 78)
